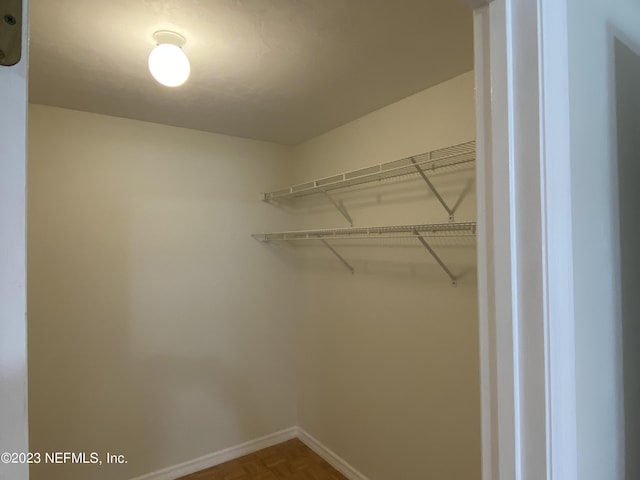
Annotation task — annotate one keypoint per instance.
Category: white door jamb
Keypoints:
(525, 261)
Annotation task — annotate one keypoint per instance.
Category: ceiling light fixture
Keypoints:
(168, 64)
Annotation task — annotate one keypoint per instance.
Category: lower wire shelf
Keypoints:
(423, 233)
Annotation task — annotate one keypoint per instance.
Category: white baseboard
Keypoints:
(329, 456)
(216, 458)
(221, 456)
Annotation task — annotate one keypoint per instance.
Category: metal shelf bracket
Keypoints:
(340, 207)
(433, 189)
(454, 280)
(333, 250)
(10, 33)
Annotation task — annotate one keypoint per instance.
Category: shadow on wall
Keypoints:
(401, 260)
(364, 200)
(627, 87)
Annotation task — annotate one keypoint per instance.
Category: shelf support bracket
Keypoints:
(433, 189)
(340, 207)
(333, 250)
(454, 280)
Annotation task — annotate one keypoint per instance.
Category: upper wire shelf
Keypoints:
(445, 159)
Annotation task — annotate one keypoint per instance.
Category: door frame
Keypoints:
(525, 245)
(13, 325)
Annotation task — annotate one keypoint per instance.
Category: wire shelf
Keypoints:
(425, 234)
(445, 159)
(433, 231)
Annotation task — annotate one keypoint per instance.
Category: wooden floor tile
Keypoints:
(291, 460)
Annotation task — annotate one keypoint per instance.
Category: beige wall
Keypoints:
(158, 328)
(388, 358)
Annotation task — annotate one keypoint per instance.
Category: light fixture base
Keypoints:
(167, 36)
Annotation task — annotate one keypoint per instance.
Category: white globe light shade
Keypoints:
(169, 65)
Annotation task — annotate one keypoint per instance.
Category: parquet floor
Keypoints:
(291, 460)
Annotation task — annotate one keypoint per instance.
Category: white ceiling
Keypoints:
(277, 70)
